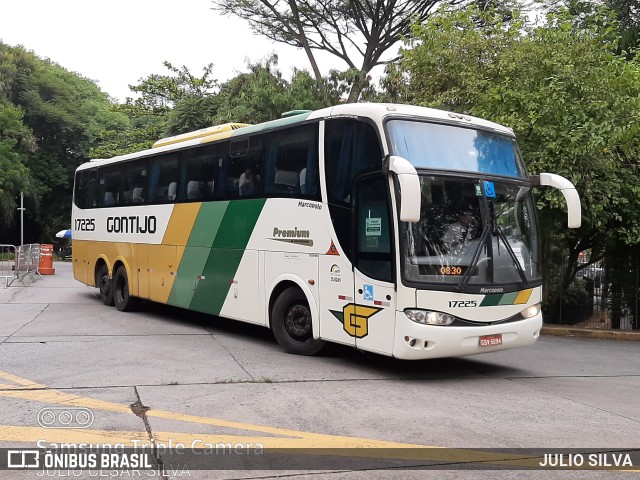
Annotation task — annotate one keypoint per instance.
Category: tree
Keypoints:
(571, 100)
(159, 93)
(625, 19)
(262, 94)
(63, 115)
(15, 142)
(358, 32)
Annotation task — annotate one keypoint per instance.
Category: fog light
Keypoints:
(531, 311)
(426, 317)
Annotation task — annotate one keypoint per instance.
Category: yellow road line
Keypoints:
(278, 438)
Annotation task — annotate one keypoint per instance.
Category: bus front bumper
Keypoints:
(414, 341)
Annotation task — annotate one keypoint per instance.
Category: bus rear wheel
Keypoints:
(105, 285)
(291, 323)
(121, 297)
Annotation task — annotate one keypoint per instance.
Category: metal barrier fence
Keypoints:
(7, 264)
(17, 263)
(604, 295)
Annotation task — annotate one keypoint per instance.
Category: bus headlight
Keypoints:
(429, 318)
(531, 311)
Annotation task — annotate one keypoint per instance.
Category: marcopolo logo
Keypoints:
(295, 235)
(65, 417)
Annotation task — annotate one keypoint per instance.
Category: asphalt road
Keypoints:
(204, 379)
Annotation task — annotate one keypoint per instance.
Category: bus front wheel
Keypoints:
(124, 302)
(105, 285)
(291, 323)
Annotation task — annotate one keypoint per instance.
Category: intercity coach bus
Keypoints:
(395, 229)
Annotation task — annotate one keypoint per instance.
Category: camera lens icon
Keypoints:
(65, 417)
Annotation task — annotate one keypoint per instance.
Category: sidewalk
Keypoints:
(562, 331)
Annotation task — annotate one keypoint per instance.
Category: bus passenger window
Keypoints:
(199, 168)
(164, 172)
(110, 180)
(351, 148)
(291, 164)
(136, 183)
(243, 167)
(86, 189)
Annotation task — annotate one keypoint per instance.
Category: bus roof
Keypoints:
(376, 111)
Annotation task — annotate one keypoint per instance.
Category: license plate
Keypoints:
(491, 340)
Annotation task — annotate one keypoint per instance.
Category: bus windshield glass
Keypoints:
(472, 232)
(436, 146)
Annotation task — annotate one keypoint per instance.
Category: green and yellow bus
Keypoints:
(396, 229)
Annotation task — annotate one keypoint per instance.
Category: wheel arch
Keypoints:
(285, 281)
(121, 261)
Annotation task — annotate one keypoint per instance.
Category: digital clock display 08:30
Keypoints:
(446, 270)
(452, 270)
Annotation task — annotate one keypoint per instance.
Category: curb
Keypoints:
(589, 333)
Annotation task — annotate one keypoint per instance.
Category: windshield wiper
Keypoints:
(476, 256)
(493, 225)
(512, 254)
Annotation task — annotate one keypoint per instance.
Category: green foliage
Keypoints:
(159, 93)
(140, 129)
(357, 33)
(61, 115)
(261, 94)
(15, 141)
(572, 102)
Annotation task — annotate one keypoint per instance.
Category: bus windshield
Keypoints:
(472, 232)
(437, 146)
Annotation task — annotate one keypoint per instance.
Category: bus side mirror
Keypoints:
(574, 208)
(409, 187)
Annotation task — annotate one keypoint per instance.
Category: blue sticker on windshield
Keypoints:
(489, 189)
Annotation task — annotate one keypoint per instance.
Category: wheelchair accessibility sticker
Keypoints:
(368, 292)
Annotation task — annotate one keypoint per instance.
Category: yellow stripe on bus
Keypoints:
(181, 223)
(523, 297)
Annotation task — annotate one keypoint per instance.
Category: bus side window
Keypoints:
(291, 166)
(86, 188)
(135, 185)
(164, 173)
(243, 172)
(351, 148)
(110, 184)
(198, 175)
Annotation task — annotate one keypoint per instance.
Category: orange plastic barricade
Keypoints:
(45, 266)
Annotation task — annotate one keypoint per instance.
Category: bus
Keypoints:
(395, 229)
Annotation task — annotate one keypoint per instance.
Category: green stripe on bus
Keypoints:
(191, 266)
(508, 298)
(281, 122)
(207, 224)
(491, 300)
(203, 234)
(218, 272)
(224, 258)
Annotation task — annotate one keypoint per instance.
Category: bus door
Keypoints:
(375, 294)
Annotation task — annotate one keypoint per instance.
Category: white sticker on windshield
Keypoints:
(373, 227)
(518, 253)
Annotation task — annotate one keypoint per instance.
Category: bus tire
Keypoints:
(105, 285)
(124, 302)
(291, 323)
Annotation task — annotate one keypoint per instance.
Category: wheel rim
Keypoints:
(297, 323)
(104, 285)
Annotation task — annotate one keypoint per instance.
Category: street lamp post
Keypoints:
(21, 218)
